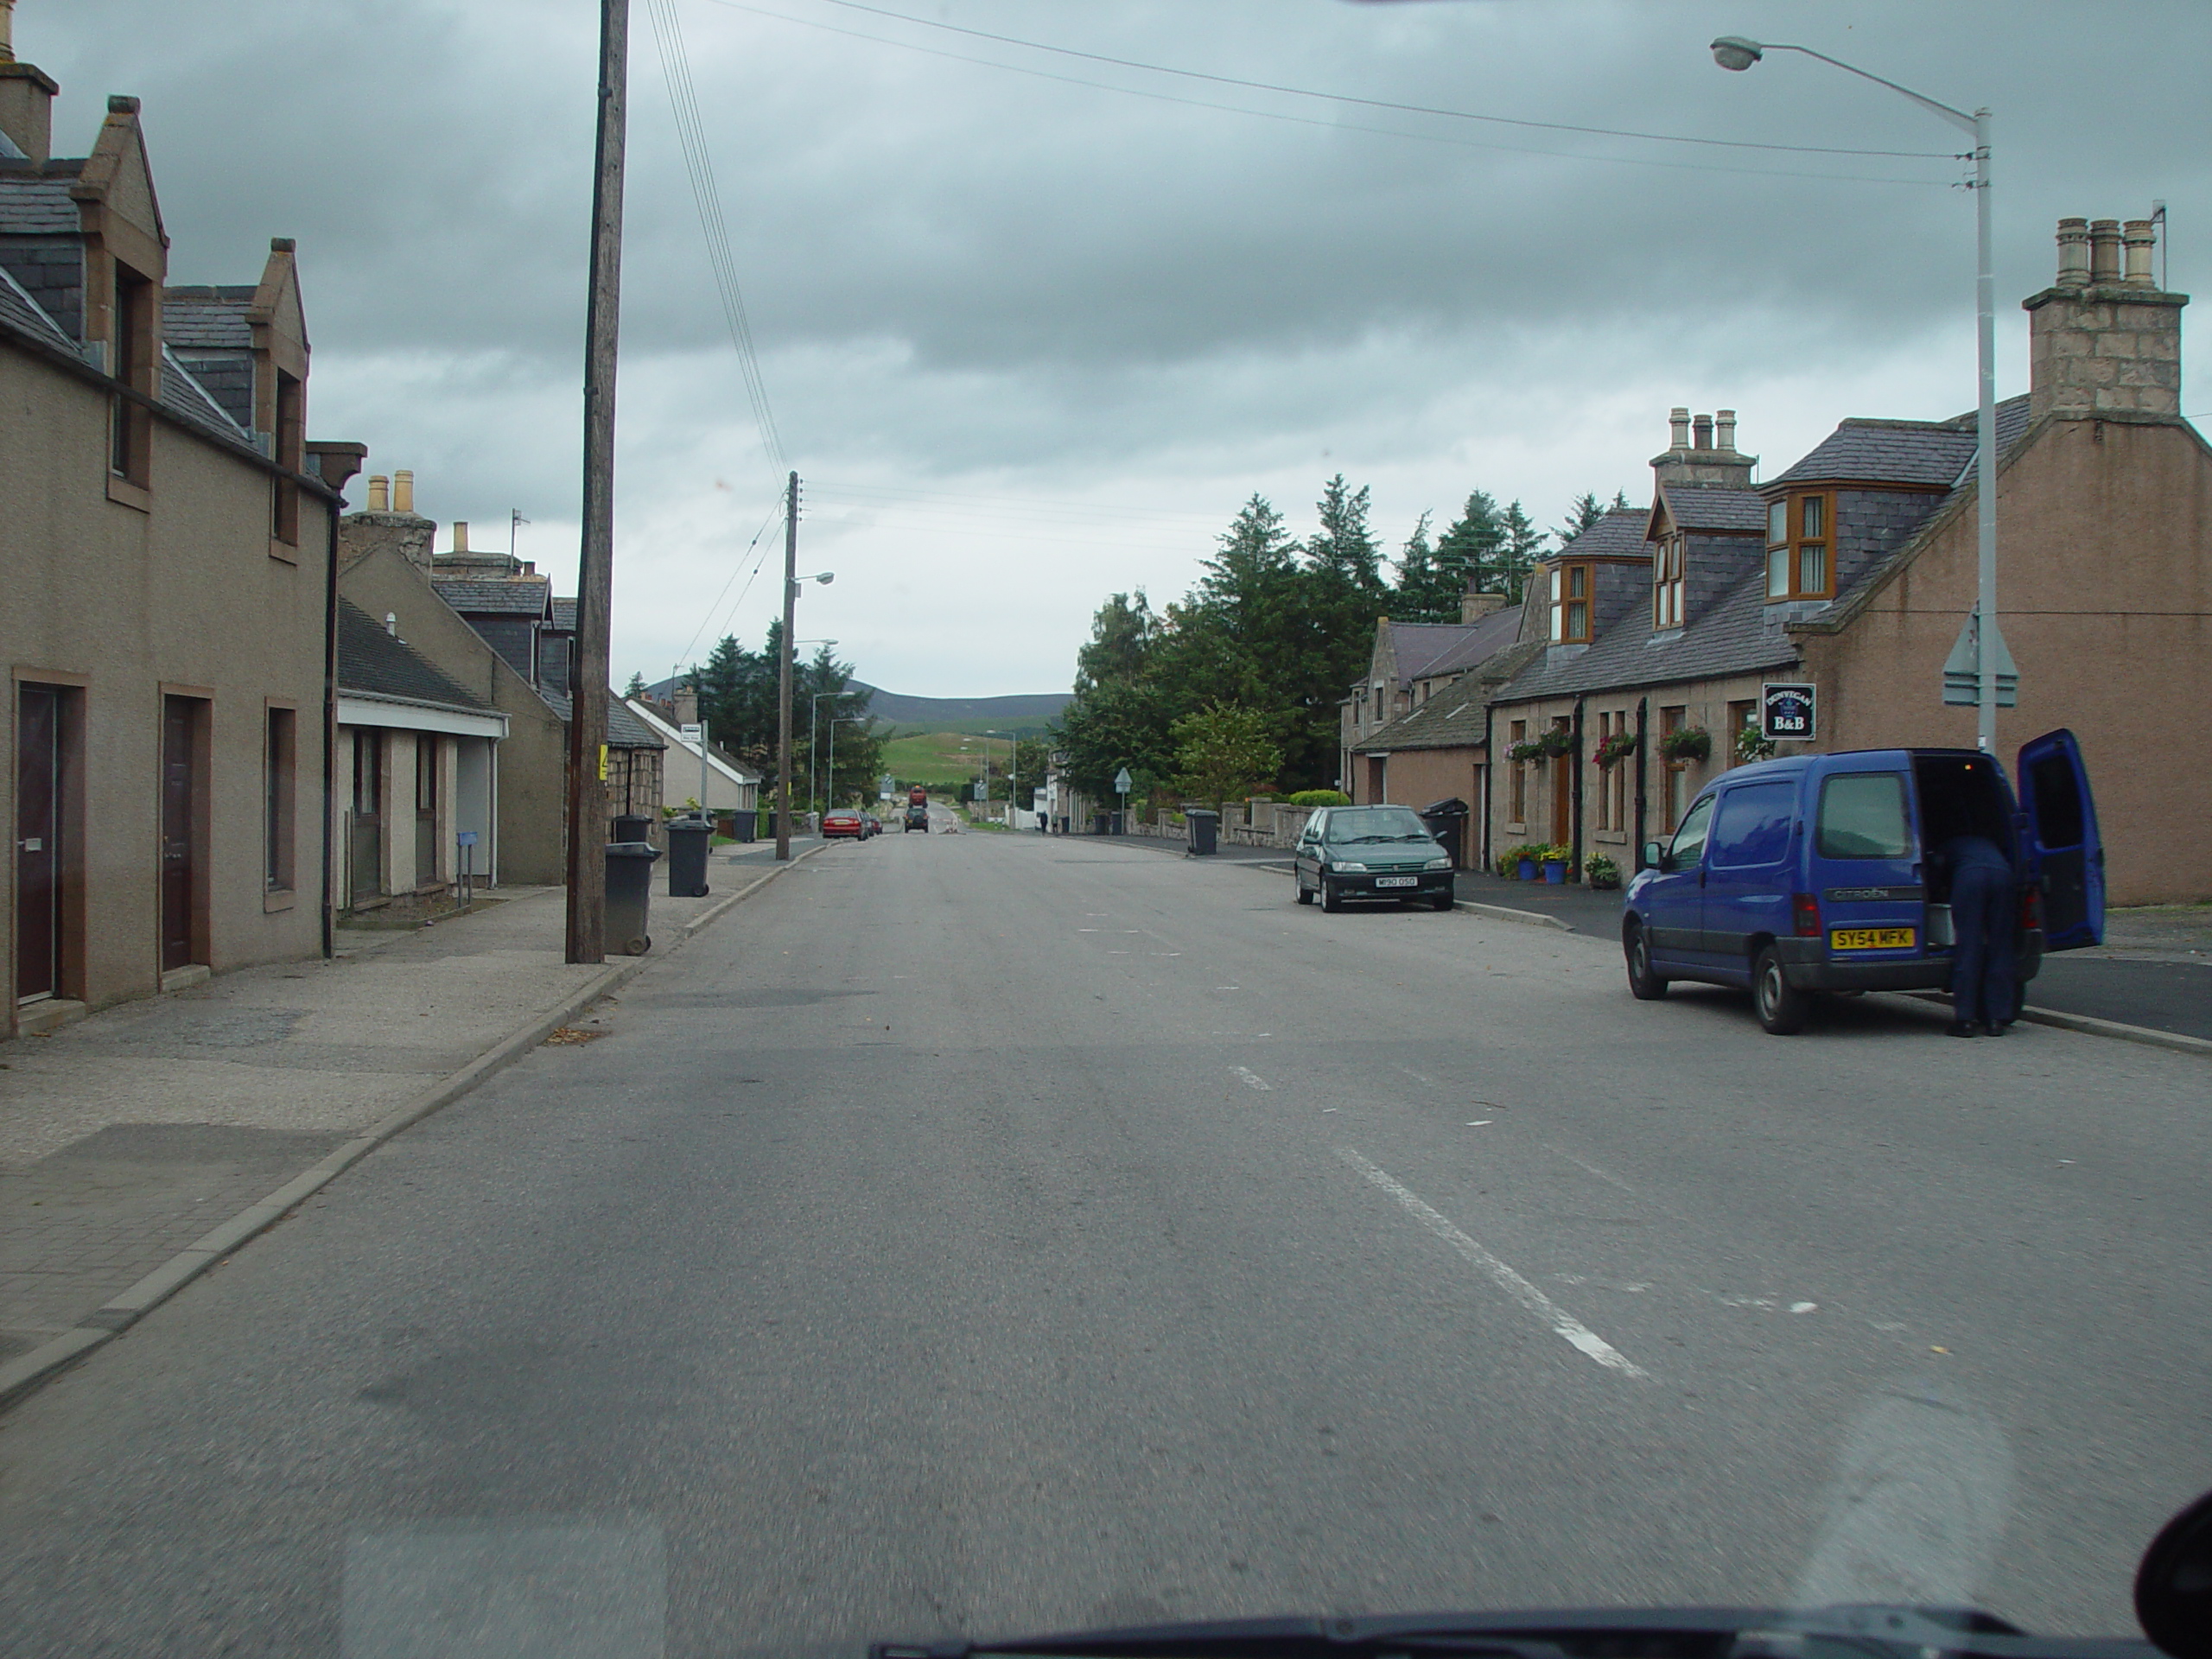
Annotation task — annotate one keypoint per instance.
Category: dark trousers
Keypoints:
(1982, 900)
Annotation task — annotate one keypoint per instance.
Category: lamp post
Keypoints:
(814, 725)
(987, 771)
(1734, 52)
(792, 585)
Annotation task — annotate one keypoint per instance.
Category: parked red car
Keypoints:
(844, 821)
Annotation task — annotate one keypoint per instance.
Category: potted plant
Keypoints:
(1519, 863)
(1555, 861)
(1686, 743)
(1751, 744)
(1532, 749)
(1614, 750)
(1557, 741)
(1601, 873)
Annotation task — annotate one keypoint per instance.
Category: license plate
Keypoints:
(1397, 881)
(1872, 938)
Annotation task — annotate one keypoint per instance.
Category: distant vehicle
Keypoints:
(871, 826)
(916, 817)
(1370, 852)
(918, 795)
(1792, 877)
(843, 823)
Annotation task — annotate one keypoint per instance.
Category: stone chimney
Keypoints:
(687, 706)
(389, 520)
(1473, 606)
(461, 538)
(2103, 338)
(1701, 452)
(26, 94)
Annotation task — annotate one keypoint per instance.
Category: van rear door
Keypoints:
(1864, 864)
(2069, 853)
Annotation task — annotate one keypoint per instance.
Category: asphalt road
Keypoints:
(985, 1232)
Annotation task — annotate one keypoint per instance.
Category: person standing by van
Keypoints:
(1983, 895)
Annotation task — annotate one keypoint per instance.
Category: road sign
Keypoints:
(1962, 668)
(1122, 782)
(466, 838)
(1788, 713)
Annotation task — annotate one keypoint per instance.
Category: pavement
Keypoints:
(996, 1233)
(132, 1137)
(2153, 972)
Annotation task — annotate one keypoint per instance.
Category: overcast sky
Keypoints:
(1032, 326)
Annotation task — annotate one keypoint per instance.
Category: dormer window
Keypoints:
(1570, 604)
(1666, 584)
(1800, 540)
(132, 338)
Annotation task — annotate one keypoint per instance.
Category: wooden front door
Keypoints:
(180, 811)
(38, 843)
(368, 815)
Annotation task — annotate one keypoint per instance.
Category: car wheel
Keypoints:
(1305, 893)
(1331, 900)
(1781, 1010)
(1442, 901)
(1643, 984)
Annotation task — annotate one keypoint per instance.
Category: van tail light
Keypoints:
(1805, 910)
(2031, 906)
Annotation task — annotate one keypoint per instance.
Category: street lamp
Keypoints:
(987, 770)
(813, 725)
(1736, 52)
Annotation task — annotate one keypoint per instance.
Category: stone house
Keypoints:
(166, 540)
(1410, 661)
(1859, 575)
(418, 768)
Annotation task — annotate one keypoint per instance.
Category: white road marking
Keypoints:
(1584, 1164)
(1482, 1123)
(1250, 1077)
(1563, 1325)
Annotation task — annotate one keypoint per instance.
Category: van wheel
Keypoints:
(1781, 1010)
(1305, 895)
(1644, 985)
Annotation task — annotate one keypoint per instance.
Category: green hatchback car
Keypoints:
(1370, 852)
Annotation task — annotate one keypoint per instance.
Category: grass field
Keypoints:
(938, 757)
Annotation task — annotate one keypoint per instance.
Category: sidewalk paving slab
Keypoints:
(141, 1144)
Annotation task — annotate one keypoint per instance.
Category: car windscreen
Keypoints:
(1375, 824)
(1863, 816)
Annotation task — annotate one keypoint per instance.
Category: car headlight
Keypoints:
(1341, 867)
(1438, 864)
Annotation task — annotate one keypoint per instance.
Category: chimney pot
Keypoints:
(403, 491)
(7, 31)
(461, 535)
(122, 103)
(380, 492)
(2073, 253)
(283, 245)
(2140, 235)
(1724, 428)
(391, 623)
(2104, 251)
(1703, 426)
(1678, 428)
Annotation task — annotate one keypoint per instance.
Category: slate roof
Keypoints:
(371, 663)
(1618, 535)
(35, 202)
(24, 315)
(207, 318)
(188, 400)
(624, 730)
(1720, 510)
(1417, 645)
(1479, 641)
(1453, 716)
(1927, 452)
(564, 615)
(505, 597)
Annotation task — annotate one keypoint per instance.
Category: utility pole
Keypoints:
(784, 673)
(587, 871)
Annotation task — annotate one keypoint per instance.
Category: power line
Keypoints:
(1351, 126)
(690, 130)
(775, 515)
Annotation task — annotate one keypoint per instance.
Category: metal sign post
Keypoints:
(1122, 784)
(1965, 674)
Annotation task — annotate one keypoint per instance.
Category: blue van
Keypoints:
(1796, 876)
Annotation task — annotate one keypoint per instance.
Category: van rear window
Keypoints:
(1862, 815)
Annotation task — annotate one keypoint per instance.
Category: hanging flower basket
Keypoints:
(1531, 750)
(1751, 746)
(1614, 750)
(1689, 743)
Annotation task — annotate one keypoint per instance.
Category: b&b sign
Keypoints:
(1787, 714)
